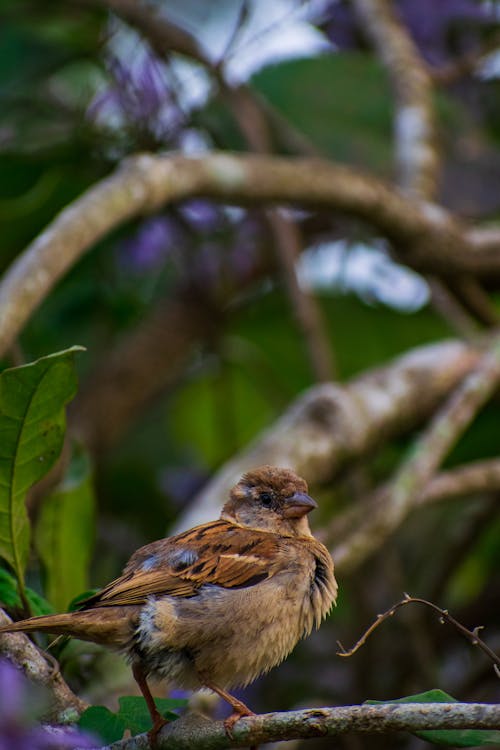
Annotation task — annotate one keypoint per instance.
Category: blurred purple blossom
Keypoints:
(440, 29)
(152, 243)
(139, 95)
(202, 215)
(17, 730)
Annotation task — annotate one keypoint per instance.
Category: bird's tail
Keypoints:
(111, 626)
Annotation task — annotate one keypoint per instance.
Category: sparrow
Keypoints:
(218, 605)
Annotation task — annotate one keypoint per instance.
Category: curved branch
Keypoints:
(18, 648)
(330, 425)
(194, 731)
(146, 182)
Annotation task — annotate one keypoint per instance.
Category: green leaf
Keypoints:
(32, 425)
(9, 596)
(349, 129)
(450, 737)
(133, 715)
(64, 533)
(134, 711)
(100, 720)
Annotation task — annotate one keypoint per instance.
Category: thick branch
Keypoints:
(394, 503)
(21, 651)
(145, 183)
(193, 731)
(330, 424)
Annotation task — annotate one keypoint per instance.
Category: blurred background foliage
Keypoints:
(79, 91)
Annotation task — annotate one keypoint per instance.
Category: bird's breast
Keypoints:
(231, 636)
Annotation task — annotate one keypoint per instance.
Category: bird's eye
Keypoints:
(266, 499)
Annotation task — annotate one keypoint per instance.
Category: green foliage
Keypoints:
(32, 425)
(449, 737)
(9, 596)
(133, 715)
(64, 533)
(356, 129)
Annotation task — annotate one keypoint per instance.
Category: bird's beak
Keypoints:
(298, 505)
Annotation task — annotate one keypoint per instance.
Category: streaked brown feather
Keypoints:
(225, 555)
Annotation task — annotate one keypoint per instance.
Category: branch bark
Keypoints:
(18, 648)
(394, 503)
(330, 424)
(417, 156)
(145, 183)
(194, 731)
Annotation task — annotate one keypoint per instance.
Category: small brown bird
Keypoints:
(220, 604)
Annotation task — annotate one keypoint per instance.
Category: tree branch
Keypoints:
(474, 478)
(17, 647)
(394, 503)
(146, 182)
(253, 122)
(330, 425)
(195, 732)
(417, 157)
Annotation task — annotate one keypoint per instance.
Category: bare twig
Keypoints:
(474, 299)
(304, 305)
(444, 616)
(466, 65)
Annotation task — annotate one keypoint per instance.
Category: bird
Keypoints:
(218, 605)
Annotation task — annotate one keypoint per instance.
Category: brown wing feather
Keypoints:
(217, 553)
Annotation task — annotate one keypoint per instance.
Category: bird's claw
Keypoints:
(231, 720)
(159, 723)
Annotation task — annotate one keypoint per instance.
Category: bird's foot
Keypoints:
(237, 714)
(158, 724)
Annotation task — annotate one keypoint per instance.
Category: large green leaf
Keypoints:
(449, 737)
(133, 715)
(32, 425)
(64, 533)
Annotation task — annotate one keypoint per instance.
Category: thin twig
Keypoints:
(444, 616)
(466, 65)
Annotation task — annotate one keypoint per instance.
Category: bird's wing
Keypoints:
(217, 553)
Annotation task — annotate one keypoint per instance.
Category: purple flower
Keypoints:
(12, 689)
(202, 215)
(139, 95)
(151, 244)
(440, 29)
(17, 729)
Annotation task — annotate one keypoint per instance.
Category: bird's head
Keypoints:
(271, 499)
